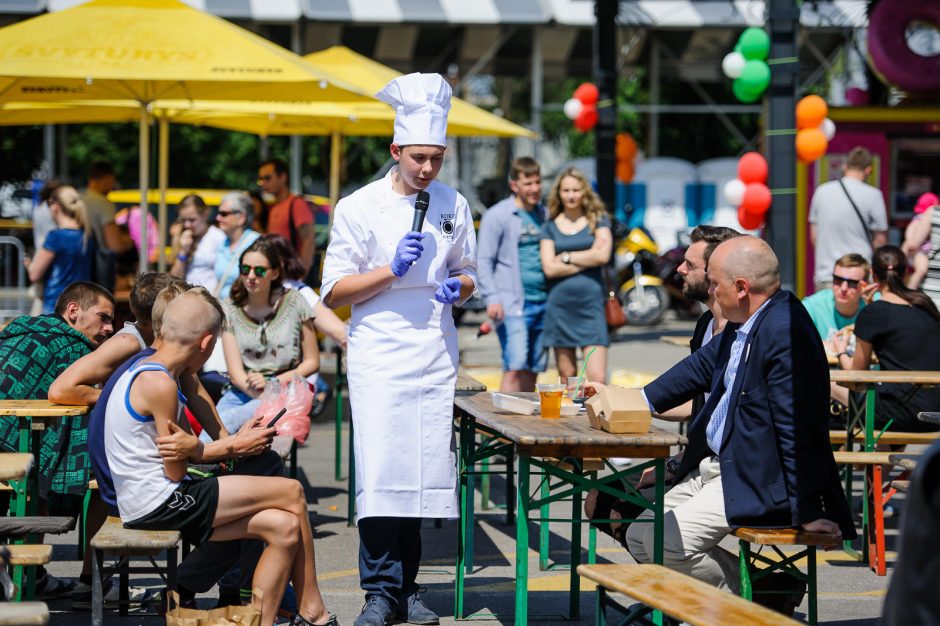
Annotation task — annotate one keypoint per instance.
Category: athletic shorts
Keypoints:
(190, 510)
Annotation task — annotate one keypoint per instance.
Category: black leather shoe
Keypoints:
(412, 609)
(375, 612)
(779, 592)
(300, 620)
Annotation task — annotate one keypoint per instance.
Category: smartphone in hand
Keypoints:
(279, 415)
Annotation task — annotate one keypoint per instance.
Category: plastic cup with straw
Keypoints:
(577, 386)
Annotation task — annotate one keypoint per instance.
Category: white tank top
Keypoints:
(130, 444)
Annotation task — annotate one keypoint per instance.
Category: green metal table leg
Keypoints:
(592, 545)
(522, 545)
(462, 465)
(544, 514)
(338, 399)
(485, 484)
(511, 486)
(811, 584)
(470, 444)
(744, 568)
(870, 419)
(351, 480)
(600, 607)
(574, 581)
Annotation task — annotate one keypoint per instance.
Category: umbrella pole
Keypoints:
(163, 174)
(144, 185)
(336, 160)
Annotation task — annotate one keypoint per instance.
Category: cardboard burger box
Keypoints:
(619, 410)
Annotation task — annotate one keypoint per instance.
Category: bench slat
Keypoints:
(17, 526)
(901, 485)
(782, 537)
(24, 614)
(681, 596)
(863, 458)
(115, 539)
(839, 436)
(29, 554)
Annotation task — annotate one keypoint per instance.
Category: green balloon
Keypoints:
(755, 77)
(742, 93)
(755, 44)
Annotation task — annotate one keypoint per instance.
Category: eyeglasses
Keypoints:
(265, 177)
(226, 213)
(838, 280)
(260, 270)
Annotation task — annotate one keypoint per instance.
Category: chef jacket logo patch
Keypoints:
(447, 225)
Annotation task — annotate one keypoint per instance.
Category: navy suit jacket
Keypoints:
(777, 468)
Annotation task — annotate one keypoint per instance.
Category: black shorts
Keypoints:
(190, 510)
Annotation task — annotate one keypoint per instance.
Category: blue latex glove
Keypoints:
(449, 291)
(408, 251)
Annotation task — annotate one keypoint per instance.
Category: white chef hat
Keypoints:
(421, 104)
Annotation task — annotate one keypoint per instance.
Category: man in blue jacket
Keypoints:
(758, 453)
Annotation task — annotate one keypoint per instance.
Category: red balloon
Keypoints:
(586, 119)
(587, 93)
(752, 168)
(757, 199)
(749, 221)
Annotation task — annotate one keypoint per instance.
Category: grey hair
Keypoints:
(240, 202)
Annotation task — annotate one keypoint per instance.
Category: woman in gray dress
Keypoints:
(576, 244)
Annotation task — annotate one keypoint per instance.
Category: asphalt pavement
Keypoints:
(849, 593)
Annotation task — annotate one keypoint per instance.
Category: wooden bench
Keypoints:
(680, 596)
(775, 537)
(35, 525)
(23, 613)
(113, 539)
(29, 554)
(888, 437)
(901, 485)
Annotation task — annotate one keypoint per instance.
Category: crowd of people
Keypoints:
(182, 383)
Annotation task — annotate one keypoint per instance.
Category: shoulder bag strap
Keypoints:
(857, 212)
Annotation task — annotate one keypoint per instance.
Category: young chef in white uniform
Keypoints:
(402, 354)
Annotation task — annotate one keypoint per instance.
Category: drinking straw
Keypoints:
(577, 386)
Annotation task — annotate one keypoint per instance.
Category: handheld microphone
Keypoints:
(421, 209)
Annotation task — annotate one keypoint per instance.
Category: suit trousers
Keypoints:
(694, 524)
(389, 556)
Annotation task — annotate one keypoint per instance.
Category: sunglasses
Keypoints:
(260, 270)
(838, 280)
(226, 213)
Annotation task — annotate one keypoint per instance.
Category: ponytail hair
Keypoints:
(889, 266)
(78, 213)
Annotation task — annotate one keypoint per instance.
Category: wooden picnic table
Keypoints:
(557, 449)
(14, 224)
(15, 465)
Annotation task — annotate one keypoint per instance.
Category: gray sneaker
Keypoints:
(375, 612)
(412, 609)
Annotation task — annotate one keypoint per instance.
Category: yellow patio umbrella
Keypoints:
(145, 50)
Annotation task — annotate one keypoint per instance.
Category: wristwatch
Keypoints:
(566, 258)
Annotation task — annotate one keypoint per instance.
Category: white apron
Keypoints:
(402, 353)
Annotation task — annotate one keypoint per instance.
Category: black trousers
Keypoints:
(389, 556)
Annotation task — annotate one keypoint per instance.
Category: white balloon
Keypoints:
(733, 64)
(734, 191)
(572, 108)
(828, 127)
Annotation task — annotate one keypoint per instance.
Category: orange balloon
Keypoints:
(810, 112)
(811, 143)
(626, 147)
(625, 171)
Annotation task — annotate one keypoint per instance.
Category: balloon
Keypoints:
(810, 144)
(755, 44)
(810, 112)
(625, 171)
(626, 147)
(586, 119)
(733, 64)
(856, 96)
(572, 108)
(752, 168)
(756, 199)
(734, 191)
(587, 93)
(828, 127)
(755, 77)
(742, 93)
(749, 221)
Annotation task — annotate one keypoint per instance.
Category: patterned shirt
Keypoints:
(272, 346)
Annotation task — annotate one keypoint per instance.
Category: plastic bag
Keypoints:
(272, 400)
(298, 400)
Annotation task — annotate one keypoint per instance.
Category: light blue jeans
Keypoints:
(235, 407)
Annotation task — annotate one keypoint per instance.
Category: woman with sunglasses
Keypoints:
(65, 255)
(234, 218)
(196, 243)
(269, 333)
(903, 329)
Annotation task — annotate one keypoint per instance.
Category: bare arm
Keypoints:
(812, 233)
(329, 324)
(599, 252)
(552, 265)
(201, 406)
(40, 264)
(681, 413)
(308, 245)
(116, 238)
(879, 238)
(916, 233)
(359, 288)
(153, 393)
(310, 355)
(76, 385)
(233, 361)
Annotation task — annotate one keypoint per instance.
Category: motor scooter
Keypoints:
(648, 284)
